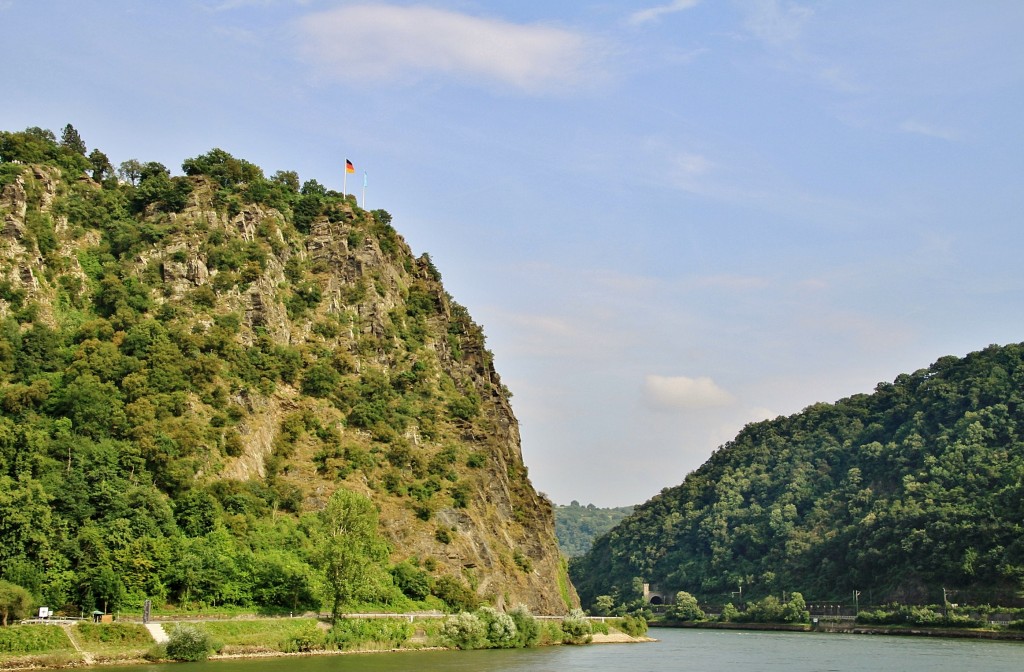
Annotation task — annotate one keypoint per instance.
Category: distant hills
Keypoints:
(577, 526)
(910, 493)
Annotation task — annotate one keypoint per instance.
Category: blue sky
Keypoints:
(672, 217)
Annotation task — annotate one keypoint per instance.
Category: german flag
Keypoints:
(349, 168)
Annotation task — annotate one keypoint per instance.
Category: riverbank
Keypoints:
(845, 627)
(61, 646)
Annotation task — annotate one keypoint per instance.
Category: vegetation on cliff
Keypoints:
(200, 373)
(899, 494)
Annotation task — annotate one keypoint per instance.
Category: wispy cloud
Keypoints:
(930, 130)
(654, 13)
(388, 42)
(774, 21)
(683, 393)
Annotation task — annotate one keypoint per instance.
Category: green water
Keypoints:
(682, 650)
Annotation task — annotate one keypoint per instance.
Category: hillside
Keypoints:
(192, 366)
(577, 526)
(899, 494)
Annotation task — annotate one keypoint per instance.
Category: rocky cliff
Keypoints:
(246, 335)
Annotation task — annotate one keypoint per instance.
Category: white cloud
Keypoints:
(930, 130)
(776, 22)
(653, 13)
(385, 42)
(683, 393)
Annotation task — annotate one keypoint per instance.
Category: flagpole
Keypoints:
(364, 191)
(344, 181)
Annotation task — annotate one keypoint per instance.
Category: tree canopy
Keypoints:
(897, 494)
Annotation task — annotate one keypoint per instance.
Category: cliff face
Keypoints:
(269, 342)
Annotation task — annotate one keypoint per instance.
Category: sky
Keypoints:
(671, 217)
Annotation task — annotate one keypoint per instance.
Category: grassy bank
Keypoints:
(54, 646)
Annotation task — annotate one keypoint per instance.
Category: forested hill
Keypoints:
(224, 388)
(577, 526)
(898, 494)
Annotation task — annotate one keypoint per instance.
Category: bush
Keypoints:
(457, 595)
(634, 626)
(527, 628)
(188, 642)
(500, 629)
(307, 637)
(465, 631)
(576, 628)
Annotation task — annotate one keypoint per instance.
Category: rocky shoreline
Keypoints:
(854, 629)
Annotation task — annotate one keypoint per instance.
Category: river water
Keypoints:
(682, 650)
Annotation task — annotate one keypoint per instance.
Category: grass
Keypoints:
(107, 638)
(257, 634)
(19, 640)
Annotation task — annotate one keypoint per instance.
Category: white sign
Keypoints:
(44, 612)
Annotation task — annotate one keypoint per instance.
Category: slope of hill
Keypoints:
(190, 368)
(900, 494)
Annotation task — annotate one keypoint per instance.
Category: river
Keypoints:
(682, 650)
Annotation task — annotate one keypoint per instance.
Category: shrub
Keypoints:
(188, 642)
(527, 628)
(634, 626)
(307, 637)
(500, 629)
(465, 630)
(576, 628)
(457, 595)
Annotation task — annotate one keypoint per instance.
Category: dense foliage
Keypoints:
(897, 494)
(577, 526)
(150, 325)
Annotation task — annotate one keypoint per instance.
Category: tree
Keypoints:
(685, 608)
(288, 178)
(70, 139)
(349, 551)
(130, 171)
(101, 168)
(15, 601)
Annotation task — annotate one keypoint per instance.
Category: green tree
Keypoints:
(349, 551)
(102, 170)
(71, 140)
(130, 171)
(15, 602)
(685, 608)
